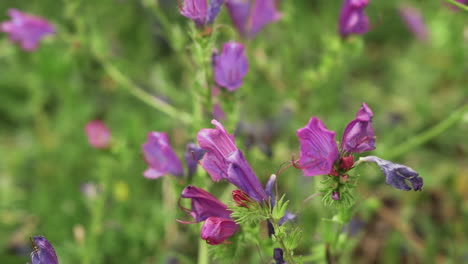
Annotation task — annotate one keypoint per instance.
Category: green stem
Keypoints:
(427, 135)
(287, 253)
(459, 5)
(202, 252)
(139, 93)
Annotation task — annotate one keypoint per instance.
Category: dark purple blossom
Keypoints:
(26, 29)
(192, 155)
(218, 225)
(160, 157)
(224, 161)
(335, 195)
(198, 11)
(319, 151)
(397, 175)
(353, 20)
(359, 135)
(278, 256)
(204, 204)
(216, 230)
(98, 134)
(230, 66)
(44, 252)
(414, 21)
(250, 16)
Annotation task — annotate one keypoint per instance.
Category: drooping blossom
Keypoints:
(414, 21)
(223, 160)
(250, 16)
(98, 134)
(192, 155)
(218, 225)
(397, 175)
(231, 66)
(160, 157)
(319, 151)
(44, 252)
(25, 29)
(353, 20)
(199, 12)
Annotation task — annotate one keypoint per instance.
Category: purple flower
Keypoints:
(318, 148)
(278, 256)
(353, 20)
(25, 29)
(217, 112)
(44, 252)
(98, 134)
(414, 21)
(204, 204)
(230, 66)
(359, 135)
(197, 11)
(335, 195)
(160, 157)
(397, 175)
(218, 224)
(224, 161)
(319, 151)
(250, 16)
(216, 230)
(192, 155)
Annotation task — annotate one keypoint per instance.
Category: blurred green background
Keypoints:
(299, 67)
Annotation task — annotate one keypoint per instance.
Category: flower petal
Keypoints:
(204, 204)
(216, 230)
(359, 135)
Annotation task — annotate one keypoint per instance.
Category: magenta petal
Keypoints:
(25, 29)
(318, 148)
(414, 21)
(195, 10)
(160, 157)
(359, 135)
(98, 134)
(230, 66)
(353, 20)
(216, 230)
(241, 174)
(45, 253)
(204, 204)
(219, 145)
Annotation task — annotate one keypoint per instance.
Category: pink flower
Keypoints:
(98, 134)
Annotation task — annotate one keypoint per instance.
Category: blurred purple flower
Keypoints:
(359, 135)
(218, 112)
(26, 29)
(197, 11)
(204, 204)
(160, 157)
(230, 66)
(335, 195)
(414, 21)
(192, 155)
(98, 134)
(224, 161)
(353, 20)
(216, 230)
(397, 175)
(278, 256)
(319, 151)
(218, 224)
(89, 189)
(44, 252)
(250, 16)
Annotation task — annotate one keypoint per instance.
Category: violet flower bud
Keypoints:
(219, 145)
(278, 256)
(335, 195)
(98, 134)
(318, 148)
(44, 252)
(25, 29)
(204, 205)
(353, 20)
(216, 230)
(288, 216)
(250, 16)
(397, 175)
(414, 21)
(359, 135)
(269, 190)
(230, 66)
(192, 155)
(160, 157)
(213, 10)
(195, 10)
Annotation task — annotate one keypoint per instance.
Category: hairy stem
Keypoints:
(457, 4)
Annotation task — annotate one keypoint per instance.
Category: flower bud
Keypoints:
(216, 230)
